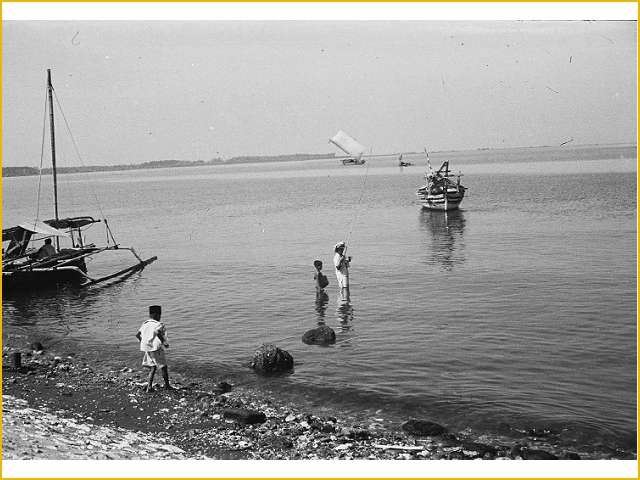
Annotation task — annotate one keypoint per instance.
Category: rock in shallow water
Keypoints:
(270, 359)
(322, 335)
(423, 428)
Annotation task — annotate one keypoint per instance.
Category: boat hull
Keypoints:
(431, 201)
(73, 273)
(353, 161)
(41, 279)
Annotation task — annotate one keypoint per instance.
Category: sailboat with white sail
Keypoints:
(349, 145)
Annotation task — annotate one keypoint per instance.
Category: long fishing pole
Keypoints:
(357, 208)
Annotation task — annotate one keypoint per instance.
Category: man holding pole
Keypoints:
(341, 262)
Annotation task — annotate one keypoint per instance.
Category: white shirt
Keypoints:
(342, 271)
(149, 341)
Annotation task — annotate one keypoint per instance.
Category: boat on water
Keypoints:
(349, 145)
(440, 191)
(27, 268)
(403, 163)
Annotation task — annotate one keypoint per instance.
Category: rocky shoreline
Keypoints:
(96, 411)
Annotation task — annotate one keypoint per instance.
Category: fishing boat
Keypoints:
(440, 191)
(26, 268)
(349, 145)
(402, 163)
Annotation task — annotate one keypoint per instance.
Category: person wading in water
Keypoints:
(341, 262)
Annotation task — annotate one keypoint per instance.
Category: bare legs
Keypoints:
(165, 376)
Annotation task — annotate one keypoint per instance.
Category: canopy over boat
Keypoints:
(73, 222)
(348, 145)
(33, 227)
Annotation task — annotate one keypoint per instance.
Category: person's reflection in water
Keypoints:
(345, 314)
(322, 299)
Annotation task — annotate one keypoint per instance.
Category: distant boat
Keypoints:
(26, 269)
(402, 163)
(350, 146)
(440, 192)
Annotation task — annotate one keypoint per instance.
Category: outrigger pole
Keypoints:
(130, 270)
(53, 150)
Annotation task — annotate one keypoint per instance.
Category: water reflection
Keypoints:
(447, 242)
(344, 312)
(49, 316)
(322, 300)
(44, 317)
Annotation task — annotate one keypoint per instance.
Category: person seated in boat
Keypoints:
(47, 250)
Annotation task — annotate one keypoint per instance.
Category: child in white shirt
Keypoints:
(153, 340)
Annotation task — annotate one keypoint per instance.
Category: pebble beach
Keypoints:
(60, 406)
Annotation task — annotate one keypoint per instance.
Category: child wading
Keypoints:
(153, 340)
(320, 278)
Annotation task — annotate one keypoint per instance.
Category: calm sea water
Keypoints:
(516, 312)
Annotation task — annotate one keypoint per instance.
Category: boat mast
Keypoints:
(53, 150)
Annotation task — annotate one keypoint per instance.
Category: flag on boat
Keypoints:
(348, 144)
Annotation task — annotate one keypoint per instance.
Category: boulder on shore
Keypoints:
(423, 428)
(222, 387)
(530, 454)
(483, 450)
(244, 415)
(322, 335)
(271, 359)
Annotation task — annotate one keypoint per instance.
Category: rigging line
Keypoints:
(44, 127)
(75, 147)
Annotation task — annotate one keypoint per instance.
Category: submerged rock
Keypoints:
(540, 432)
(244, 415)
(528, 454)
(271, 359)
(423, 428)
(321, 335)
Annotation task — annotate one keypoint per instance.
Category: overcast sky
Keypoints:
(141, 91)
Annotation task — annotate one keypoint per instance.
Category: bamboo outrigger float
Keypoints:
(24, 268)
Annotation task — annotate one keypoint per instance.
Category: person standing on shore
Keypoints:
(153, 340)
(341, 262)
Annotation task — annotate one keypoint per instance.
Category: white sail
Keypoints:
(348, 145)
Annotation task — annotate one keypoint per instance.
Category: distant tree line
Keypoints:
(25, 171)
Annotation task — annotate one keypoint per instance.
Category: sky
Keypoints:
(138, 91)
